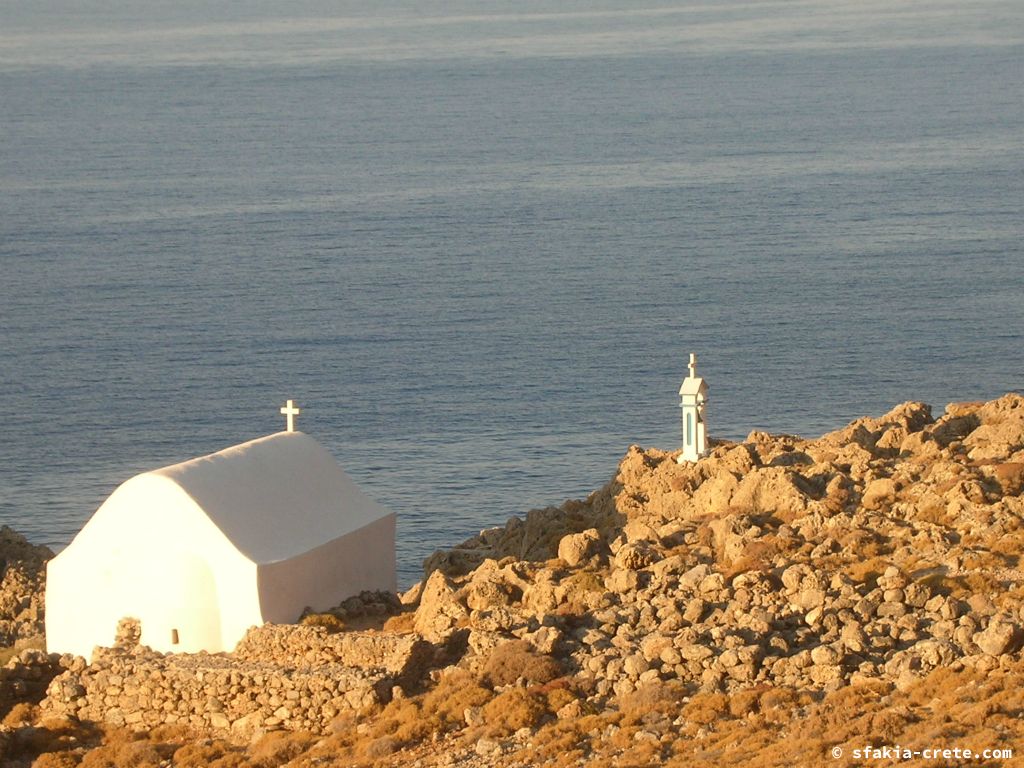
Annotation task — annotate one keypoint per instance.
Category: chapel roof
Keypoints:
(275, 497)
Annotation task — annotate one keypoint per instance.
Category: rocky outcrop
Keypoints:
(22, 585)
(808, 564)
(536, 538)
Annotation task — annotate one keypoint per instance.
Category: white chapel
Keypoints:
(202, 550)
(693, 394)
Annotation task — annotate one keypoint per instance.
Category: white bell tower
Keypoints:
(692, 395)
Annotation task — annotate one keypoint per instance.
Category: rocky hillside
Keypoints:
(882, 550)
(779, 600)
(874, 554)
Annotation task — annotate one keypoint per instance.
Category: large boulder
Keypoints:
(440, 610)
(771, 490)
(879, 494)
(636, 555)
(1001, 432)
(577, 548)
(1001, 636)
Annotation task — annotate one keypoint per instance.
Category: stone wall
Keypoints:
(282, 677)
(26, 676)
(22, 585)
(404, 656)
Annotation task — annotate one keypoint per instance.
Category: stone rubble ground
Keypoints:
(776, 575)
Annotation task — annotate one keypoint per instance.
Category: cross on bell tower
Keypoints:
(290, 411)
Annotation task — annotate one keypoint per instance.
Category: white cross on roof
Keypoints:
(290, 411)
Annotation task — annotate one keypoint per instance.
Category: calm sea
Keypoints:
(476, 241)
